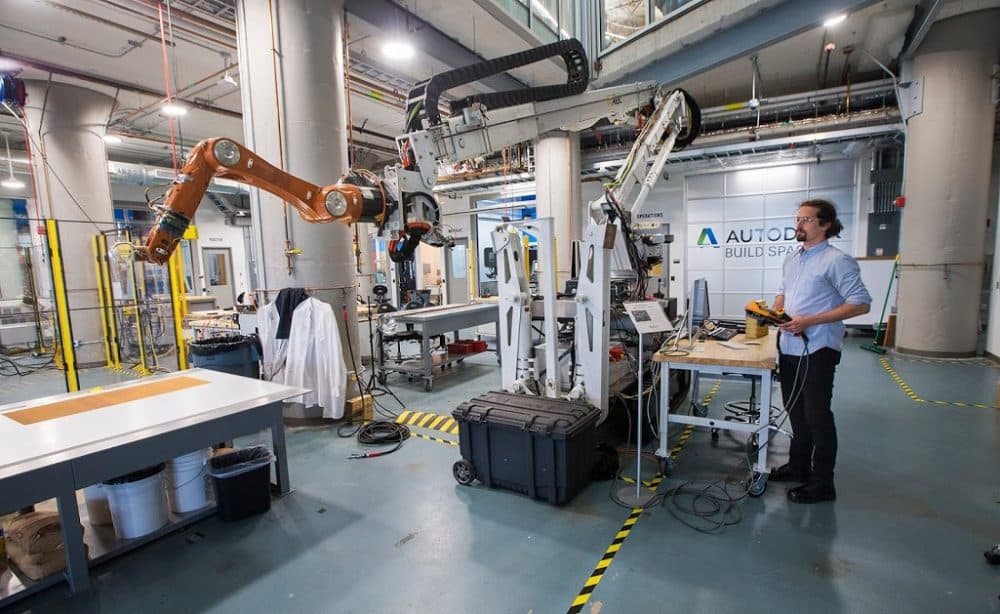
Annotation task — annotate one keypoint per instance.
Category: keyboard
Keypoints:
(724, 334)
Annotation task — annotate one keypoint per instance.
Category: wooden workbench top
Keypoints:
(710, 352)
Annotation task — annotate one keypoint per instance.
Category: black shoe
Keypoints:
(813, 493)
(788, 473)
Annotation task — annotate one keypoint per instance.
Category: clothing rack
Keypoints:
(267, 291)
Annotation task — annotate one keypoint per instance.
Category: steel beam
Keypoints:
(387, 16)
(764, 29)
(924, 15)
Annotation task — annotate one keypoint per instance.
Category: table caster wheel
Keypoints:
(381, 377)
(428, 386)
(699, 410)
(758, 484)
(715, 434)
(464, 472)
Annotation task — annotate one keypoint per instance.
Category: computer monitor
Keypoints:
(699, 302)
(489, 258)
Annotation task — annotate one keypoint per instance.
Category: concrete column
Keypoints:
(294, 115)
(67, 125)
(557, 190)
(947, 175)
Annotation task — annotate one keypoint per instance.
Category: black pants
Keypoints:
(807, 401)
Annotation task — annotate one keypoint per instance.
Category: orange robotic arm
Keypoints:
(222, 157)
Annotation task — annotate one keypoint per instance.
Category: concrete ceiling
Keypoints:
(114, 46)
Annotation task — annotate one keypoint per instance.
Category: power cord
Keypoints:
(381, 432)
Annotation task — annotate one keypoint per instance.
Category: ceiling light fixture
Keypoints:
(112, 139)
(397, 50)
(832, 21)
(11, 182)
(173, 110)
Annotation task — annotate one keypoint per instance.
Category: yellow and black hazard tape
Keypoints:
(450, 442)
(682, 441)
(895, 376)
(602, 565)
(628, 480)
(913, 395)
(428, 420)
(707, 399)
(959, 362)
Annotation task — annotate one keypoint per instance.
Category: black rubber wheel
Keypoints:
(380, 377)
(758, 484)
(464, 472)
(428, 386)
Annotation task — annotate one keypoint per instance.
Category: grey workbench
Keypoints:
(54, 457)
(431, 322)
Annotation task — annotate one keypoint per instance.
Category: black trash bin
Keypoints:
(242, 481)
(236, 354)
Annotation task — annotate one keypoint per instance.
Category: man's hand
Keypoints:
(797, 325)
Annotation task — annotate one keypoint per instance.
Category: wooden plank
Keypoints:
(711, 352)
(90, 402)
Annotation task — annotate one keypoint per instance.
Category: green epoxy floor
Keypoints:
(919, 501)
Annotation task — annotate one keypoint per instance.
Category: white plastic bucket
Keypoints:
(138, 508)
(98, 510)
(187, 481)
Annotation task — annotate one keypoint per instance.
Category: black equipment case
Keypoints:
(536, 446)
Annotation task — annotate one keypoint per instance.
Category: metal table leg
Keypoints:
(428, 362)
(77, 570)
(764, 434)
(280, 452)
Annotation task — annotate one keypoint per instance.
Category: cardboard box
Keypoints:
(355, 411)
(755, 330)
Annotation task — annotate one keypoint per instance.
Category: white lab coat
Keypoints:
(310, 358)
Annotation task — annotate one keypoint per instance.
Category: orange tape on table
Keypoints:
(90, 402)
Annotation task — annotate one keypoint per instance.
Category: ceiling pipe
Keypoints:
(143, 111)
(229, 33)
(815, 131)
(775, 103)
(121, 85)
(126, 173)
(101, 20)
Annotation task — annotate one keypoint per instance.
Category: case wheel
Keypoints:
(464, 472)
(758, 484)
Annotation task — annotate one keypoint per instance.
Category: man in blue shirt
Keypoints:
(820, 288)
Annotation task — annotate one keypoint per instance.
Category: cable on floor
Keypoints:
(381, 432)
(10, 367)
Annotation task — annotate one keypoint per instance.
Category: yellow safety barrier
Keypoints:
(68, 352)
(178, 304)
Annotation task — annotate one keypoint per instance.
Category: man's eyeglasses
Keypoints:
(808, 219)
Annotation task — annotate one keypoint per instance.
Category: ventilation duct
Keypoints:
(136, 174)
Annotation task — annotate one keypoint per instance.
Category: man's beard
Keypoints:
(800, 235)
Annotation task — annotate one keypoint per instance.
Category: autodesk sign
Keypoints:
(751, 241)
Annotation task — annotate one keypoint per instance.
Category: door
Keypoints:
(457, 264)
(219, 275)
